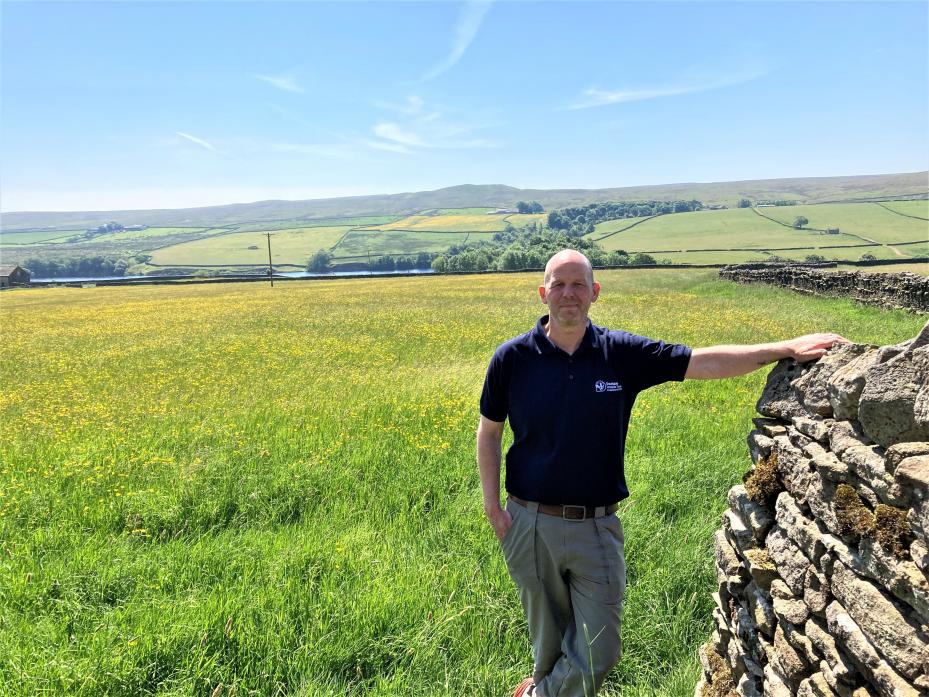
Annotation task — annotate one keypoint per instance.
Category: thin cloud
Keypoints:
(595, 97)
(282, 82)
(469, 21)
(395, 133)
(199, 141)
(420, 127)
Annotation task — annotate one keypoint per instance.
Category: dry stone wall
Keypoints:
(894, 290)
(822, 560)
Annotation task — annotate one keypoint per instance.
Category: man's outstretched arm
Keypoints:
(489, 440)
(729, 361)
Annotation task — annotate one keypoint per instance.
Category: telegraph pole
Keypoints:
(270, 268)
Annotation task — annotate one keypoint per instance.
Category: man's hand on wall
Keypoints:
(812, 346)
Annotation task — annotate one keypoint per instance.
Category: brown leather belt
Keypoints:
(569, 512)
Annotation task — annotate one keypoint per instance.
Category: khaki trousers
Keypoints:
(571, 577)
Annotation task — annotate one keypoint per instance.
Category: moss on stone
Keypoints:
(721, 683)
(892, 530)
(855, 520)
(762, 484)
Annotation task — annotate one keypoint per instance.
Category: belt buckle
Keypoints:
(564, 513)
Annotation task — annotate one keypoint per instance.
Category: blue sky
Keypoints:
(141, 105)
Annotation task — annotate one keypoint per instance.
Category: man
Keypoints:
(567, 388)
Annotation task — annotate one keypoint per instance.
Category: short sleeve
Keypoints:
(495, 395)
(650, 362)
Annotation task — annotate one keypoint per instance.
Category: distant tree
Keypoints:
(642, 259)
(867, 256)
(815, 259)
(523, 207)
(744, 203)
(440, 264)
(536, 207)
(800, 221)
(321, 260)
(617, 258)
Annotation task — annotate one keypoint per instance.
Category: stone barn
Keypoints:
(13, 276)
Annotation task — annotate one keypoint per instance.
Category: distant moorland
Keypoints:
(468, 228)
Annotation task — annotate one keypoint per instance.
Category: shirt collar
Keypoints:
(544, 345)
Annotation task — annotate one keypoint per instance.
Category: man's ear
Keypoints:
(542, 294)
(596, 293)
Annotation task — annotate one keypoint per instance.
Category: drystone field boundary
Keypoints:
(822, 560)
(893, 290)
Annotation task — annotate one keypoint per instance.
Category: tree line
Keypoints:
(82, 266)
(580, 220)
(512, 250)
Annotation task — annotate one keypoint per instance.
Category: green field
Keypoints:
(917, 208)
(920, 268)
(840, 254)
(612, 227)
(292, 246)
(735, 228)
(37, 236)
(865, 219)
(320, 222)
(377, 242)
(457, 211)
(464, 222)
(275, 489)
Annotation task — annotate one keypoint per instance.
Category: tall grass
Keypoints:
(275, 490)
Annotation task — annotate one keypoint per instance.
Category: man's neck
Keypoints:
(566, 338)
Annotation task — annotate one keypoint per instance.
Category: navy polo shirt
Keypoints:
(569, 414)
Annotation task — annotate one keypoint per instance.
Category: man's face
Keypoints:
(569, 293)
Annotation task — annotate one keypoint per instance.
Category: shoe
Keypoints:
(525, 689)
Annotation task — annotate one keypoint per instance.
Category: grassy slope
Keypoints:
(464, 222)
(275, 489)
(292, 246)
(866, 219)
(362, 242)
(36, 236)
(723, 229)
(815, 189)
(920, 268)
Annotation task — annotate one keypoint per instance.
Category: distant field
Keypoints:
(292, 246)
(377, 242)
(36, 236)
(148, 232)
(735, 228)
(270, 226)
(866, 219)
(918, 208)
(463, 223)
(457, 211)
(610, 227)
(922, 268)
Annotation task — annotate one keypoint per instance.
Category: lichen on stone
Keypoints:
(892, 530)
(854, 518)
(721, 682)
(762, 484)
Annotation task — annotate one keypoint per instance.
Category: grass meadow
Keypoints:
(866, 219)
(734, 228)
(232, 489)
(290, 246)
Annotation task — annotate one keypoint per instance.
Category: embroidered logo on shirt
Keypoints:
(603, 386)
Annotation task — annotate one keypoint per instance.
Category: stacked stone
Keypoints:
(823, 558)
(900, 290)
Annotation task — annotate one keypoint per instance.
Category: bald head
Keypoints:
(568, 256)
